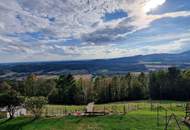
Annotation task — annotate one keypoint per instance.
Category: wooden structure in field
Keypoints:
(90, 111)
(186, 120)
(174, 117)
(159, 108)
(187, 110)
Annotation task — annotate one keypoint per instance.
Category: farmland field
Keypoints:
(138, 116)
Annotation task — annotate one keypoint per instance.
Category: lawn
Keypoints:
(141, 119)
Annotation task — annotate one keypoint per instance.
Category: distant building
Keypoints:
(20, 111)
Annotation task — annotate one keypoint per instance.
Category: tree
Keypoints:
(158, 88)
(4, 87)
(35, 105)
(183, 87)
(174, 77)
(34, 86)
(129, 79)
(45, 87)
(85, 91)
(143, 80)
(30, 87)
(66, 90)
(171, 84)
(11, 100)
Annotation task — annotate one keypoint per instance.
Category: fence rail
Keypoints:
(59, 111)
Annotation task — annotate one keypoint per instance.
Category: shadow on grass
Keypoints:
(5, 121)
(8, 125)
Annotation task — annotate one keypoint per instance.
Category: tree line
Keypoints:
(171, 84)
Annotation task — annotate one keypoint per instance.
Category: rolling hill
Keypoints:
(122, 65)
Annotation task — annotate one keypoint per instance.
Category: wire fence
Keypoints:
(59, 110)
(115, 108)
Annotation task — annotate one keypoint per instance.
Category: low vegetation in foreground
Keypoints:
(138, 119)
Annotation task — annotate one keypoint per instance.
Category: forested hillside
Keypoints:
(171, 84)
(140, 63)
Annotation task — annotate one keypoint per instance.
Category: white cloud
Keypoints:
(60, 20)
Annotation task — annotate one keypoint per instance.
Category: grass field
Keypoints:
(141, 119)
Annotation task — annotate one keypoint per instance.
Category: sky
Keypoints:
(55, 30)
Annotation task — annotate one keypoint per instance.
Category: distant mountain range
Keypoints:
(123, 65)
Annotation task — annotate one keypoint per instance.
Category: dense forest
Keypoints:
(171, 84)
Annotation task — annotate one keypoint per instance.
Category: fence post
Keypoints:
(166, 116)
(128, 108)
(65, 110)
(157, 116)
(104, 110)
(57, 113)
(124, 109)
(46, 113)
(62, 111)
(52, 111)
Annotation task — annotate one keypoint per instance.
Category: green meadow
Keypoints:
(140, 118)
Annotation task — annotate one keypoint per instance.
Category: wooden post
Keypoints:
(46, 114)
(166, 116)
(151, 108)
(104, 110)
(51, 111)
(175, 118)
(157, 116)
(65, 110)
(128, 108)
(57, 113)
(112, 109)
(62, 111)
(124, 111)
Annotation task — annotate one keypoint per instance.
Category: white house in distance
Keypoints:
(20, 111)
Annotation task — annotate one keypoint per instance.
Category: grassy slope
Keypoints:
(142, 119)
(138, 120)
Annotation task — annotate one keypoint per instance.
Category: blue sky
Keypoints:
(46, 30)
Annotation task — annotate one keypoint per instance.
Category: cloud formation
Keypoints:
(32, 30)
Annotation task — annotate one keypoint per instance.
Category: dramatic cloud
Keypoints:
(84, 29)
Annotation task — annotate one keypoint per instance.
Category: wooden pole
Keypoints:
(166, 116)
(124, 109)
(158, 116)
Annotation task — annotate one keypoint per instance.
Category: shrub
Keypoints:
(35, 105)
